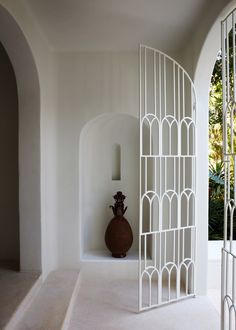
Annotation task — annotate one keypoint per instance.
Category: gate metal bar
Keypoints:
(228, 307)
(167, 230)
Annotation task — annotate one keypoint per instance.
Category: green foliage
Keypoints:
(216, 219)
(216, 200)
(216, 180)
(216, 114)
(216, 165)
(216, 168)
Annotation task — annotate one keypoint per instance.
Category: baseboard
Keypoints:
(24, 305)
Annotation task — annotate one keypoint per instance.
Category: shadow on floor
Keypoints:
(14, 286)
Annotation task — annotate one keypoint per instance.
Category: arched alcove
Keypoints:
(98, 185)
(20, 55)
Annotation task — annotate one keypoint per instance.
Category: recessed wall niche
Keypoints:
(116, 162)
(109, 161)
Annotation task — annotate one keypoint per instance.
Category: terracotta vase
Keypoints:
(119, 236)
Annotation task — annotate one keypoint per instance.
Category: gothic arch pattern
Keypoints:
(167, 181)
(228, 275)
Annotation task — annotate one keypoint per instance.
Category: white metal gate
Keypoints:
(228, 308)
(167, 234)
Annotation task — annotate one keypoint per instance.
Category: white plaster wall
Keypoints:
(31, 60)
(88, 84)
(29, 143)
(74, 89)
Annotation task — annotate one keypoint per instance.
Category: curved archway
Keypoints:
(20, 54)
(202, 77)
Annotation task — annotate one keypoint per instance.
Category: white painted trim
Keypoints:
(24, 305)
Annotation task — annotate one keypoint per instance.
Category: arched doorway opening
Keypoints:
(27, 81)
(20, 224)
(9, 177)
(202, 78)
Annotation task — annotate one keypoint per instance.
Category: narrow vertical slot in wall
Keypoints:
(116, 162)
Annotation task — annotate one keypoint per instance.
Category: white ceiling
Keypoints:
(94, 25)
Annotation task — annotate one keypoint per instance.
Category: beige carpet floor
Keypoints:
(112, 305)
(14, 286)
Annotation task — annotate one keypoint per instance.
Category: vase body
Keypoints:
(119, 236)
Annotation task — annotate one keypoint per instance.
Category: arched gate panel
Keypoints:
(228, 274)
(167, 231)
